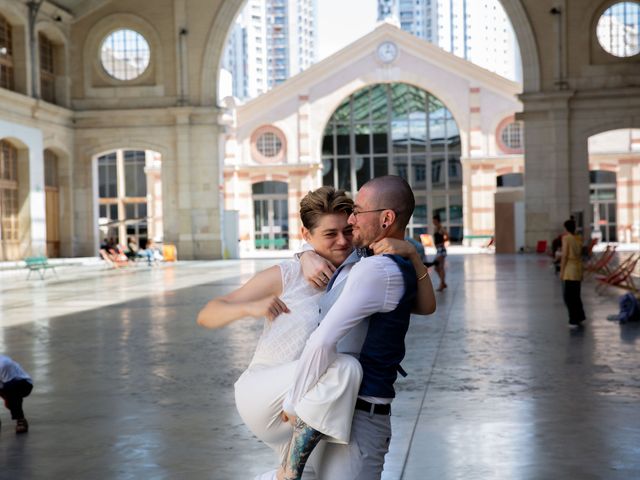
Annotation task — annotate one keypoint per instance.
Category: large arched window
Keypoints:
(6, 55)
(129, 195)
(47, 69)
(403, 130)
(8, 192)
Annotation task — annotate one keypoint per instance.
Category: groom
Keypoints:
(365, 312)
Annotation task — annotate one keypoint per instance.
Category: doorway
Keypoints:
(271, 215)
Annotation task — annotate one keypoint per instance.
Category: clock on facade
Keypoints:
(387, 52)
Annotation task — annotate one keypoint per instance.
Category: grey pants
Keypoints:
(363, 458)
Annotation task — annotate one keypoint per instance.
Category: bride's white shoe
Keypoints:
(267, 476)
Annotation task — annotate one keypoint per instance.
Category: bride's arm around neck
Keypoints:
(257, 298)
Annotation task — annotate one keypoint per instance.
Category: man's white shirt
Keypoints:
(374, 284)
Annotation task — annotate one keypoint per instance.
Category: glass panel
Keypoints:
(613, 234)
(602, 176)
(400, 135)
(380, 166)
(400, 166)
(362, 137)
(440, 207)
(135, 178)
(327, 144)
(327, 172)
(342, 134)
(438, 174)
(363, 170)
(107, 176)
(420, 215)
(455, 234)
(612, 213)
(379, 103)
(344, 174)
(510, 180)
(419, 166)
(418, 131)
(455, 172)
(380, 138)
(270, 188)
(361, 105)
(455, 208)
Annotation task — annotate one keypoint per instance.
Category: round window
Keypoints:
(125, 54)
(618, 28)
(511, 135)
(269, 144)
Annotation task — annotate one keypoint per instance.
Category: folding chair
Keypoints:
(621, 277)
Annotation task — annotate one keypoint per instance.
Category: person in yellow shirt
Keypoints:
(571, 273)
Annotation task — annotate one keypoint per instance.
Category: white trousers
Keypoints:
(328, 407)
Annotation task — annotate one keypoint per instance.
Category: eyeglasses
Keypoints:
(355, 213)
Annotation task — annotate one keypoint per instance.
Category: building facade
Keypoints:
(270, 41)
(476, 30)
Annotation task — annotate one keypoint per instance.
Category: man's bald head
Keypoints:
(394, 193)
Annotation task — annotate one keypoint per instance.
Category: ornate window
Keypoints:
(511, 136)
(47, 74)
(6, 55)
(8, 191)
(125, 54)
(268, 145)
(618, 29)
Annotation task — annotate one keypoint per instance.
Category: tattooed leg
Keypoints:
(303, 441)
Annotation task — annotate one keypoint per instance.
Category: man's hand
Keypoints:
(269, 307)
(393, 246)
(289, 418)
(316, 269)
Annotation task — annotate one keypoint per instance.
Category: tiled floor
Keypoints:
(128, 387)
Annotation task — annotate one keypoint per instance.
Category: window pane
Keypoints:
(363, 170)
(344, 174)
(327, 172)
(380, 166)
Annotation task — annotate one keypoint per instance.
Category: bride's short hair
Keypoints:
(323, 201)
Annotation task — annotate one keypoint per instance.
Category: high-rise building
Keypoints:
(476, 30)
(270, 41)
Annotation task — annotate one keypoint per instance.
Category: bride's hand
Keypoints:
(316, 270)
(269, 307)
(393, 246)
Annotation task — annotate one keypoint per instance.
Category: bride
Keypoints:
(283, 292)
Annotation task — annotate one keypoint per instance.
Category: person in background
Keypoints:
(440, 237)
(571, 273)
(15, 384)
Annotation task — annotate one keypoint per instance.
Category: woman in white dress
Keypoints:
(283, 292)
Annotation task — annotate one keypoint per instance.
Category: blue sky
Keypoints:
(341, 22)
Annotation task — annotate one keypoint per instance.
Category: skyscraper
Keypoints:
(271, 41)
(476, 30)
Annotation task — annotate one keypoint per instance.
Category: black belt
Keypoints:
(377, 408)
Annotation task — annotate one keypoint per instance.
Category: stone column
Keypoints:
(548, 165)
(198, 214)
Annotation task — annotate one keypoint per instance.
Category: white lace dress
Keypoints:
(261, 388)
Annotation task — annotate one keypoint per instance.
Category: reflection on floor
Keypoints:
(127, 386)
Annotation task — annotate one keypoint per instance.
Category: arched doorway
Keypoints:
(602, 195)
(271, 215)
(402, 130)
(130, 196)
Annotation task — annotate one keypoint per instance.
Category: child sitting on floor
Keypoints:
(15, 384)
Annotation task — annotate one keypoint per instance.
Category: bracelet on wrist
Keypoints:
(423, 276)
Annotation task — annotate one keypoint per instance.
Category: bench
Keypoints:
(39, 264)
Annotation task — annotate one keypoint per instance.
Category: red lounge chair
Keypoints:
(621, 277)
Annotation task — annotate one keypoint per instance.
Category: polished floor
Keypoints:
(128, 387)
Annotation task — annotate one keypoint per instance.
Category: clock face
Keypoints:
(387, 52)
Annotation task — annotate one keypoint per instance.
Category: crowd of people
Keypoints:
(113, 252)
